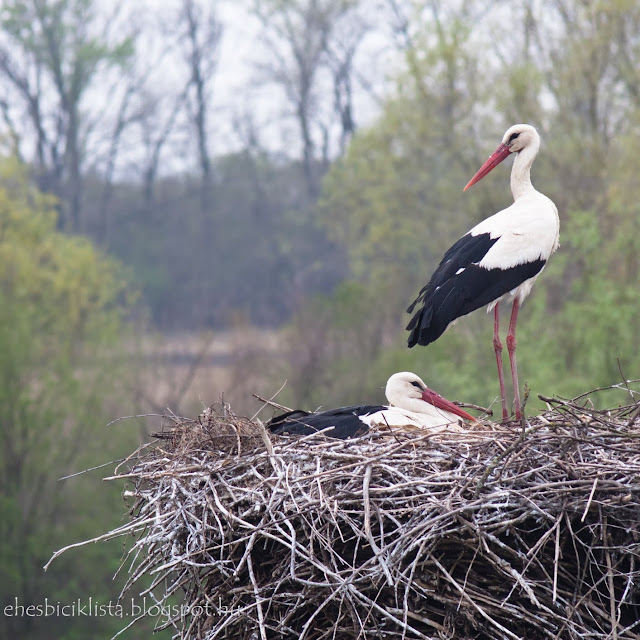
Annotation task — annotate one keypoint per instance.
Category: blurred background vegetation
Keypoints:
(206, 199)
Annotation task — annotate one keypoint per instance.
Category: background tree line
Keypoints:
(116, 110)
(306, 180)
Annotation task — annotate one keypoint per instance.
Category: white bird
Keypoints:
(412, 404)
(499, 258)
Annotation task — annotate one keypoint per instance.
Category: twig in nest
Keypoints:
(612, 386)
(477, 407)
(634, 414)
(624, 380)
(586, 508)
(527, 391)
(270, 402)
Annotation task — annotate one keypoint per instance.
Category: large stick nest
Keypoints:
(502, 532)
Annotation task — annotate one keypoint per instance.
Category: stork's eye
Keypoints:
(513, 136)
(416, 384)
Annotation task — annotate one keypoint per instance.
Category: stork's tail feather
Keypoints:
(422, 327)
(437, 312)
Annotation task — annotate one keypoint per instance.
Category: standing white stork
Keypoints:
(502, 256)
(412, 404)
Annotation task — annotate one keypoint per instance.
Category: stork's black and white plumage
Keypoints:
(411, 404)
(499, 258)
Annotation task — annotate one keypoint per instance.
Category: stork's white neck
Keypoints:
(417, 405)
(521, 171)
(396, 392)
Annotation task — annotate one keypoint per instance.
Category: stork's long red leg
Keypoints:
(511, 347)
(497, 345)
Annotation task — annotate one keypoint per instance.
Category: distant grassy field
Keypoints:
(187, 372)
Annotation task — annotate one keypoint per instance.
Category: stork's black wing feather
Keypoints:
(345, 421)
(465, 252)
(459, 286)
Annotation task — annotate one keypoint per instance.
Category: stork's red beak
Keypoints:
(494, 160)
(442, 403)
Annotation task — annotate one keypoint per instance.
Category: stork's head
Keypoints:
(407, 391)
(516, 139)
(519, 136)
(404, 386)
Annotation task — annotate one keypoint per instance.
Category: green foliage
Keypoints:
(59, 281)
(61, 318)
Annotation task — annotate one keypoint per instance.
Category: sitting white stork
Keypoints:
(411, 404)
(502, 256)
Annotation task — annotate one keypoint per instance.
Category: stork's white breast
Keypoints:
(397, 417)
(528, 230)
